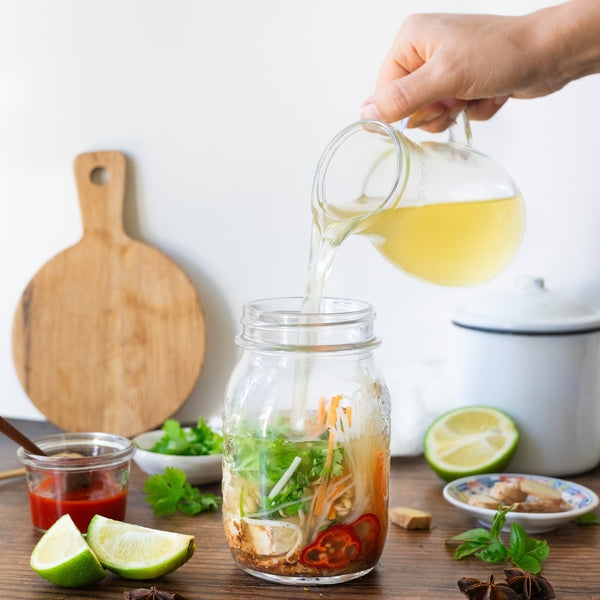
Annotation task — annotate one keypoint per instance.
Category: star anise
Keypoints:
(530, 586)
(151, 594)
(475, 589)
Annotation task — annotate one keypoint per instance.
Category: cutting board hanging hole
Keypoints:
(99, 176)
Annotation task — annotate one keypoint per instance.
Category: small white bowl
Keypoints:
(198, 469)
(582, 499)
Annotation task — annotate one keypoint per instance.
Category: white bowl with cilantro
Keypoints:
(195, 450)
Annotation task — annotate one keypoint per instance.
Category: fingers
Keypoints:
(486, 108)
(438, 116)
(441, 115)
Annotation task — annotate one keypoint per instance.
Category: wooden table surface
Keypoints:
(415, 564)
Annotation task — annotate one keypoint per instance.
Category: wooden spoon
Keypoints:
(73, 481)
(20, 438)
(109, 334)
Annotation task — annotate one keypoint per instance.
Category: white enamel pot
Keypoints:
(535, 355)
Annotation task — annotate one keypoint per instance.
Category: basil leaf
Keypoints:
(473, 535)
(466, 549)
(518, 539)
(494, 553)
(527, 563)
(539, 549)
(498, 522)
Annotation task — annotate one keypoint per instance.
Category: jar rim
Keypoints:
(280, 324)
(288, 309)
(119, 449)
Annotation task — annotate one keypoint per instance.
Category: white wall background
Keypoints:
(223, 108)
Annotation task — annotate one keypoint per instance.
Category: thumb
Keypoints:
(403, 96)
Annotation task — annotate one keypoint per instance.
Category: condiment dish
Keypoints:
(80, 474)
(198, 469)
(581, 499)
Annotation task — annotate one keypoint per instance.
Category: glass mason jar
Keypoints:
(306, 428)
(82, 474)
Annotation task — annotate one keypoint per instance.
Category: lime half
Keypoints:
(470, 440)
(63, 557)
(136, 552)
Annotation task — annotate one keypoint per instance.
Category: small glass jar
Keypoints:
(82, 474)
(306, 428)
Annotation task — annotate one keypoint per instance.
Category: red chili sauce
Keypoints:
(56, 496)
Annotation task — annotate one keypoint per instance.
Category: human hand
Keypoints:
(440, 64)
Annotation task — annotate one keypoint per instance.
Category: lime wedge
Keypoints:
(136, 552)
(470, 440)
(63, 557)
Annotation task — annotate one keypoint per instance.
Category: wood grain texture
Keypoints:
(415, 565)
(109, 335)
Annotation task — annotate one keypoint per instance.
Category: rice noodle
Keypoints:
(285, 477)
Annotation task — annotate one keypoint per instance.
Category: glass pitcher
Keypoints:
(440, 211)
(306, 428)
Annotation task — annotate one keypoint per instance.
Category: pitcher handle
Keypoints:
(460, 131)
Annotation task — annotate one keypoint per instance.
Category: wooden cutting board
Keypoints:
(109, 335)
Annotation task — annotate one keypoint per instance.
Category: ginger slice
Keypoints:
(508, 492)
(538, 506)
(410, 518)
(539, 489)
(484, 501)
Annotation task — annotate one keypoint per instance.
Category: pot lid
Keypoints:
(527, 308)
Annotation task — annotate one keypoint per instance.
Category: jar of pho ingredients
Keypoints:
(306, 426)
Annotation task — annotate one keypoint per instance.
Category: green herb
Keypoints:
(587, 519)
(170, 492)
(319, 458)
(266, 463)
(524, 552)
(194, 441)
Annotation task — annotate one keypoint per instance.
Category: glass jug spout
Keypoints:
(363, 169)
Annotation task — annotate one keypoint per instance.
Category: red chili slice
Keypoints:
(367, 528)
(334, 548)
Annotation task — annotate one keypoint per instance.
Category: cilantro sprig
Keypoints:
(171, 492)
(524, 552)
(193, 441)
(267, 461)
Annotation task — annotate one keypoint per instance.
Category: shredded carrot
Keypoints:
(314, 429)
(380, 483)
(320, 496)
(330, 420)
(332, 513)
(332, 411)
(322, 412)
(348, 411)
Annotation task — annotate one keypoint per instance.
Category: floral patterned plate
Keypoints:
(581, 499)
